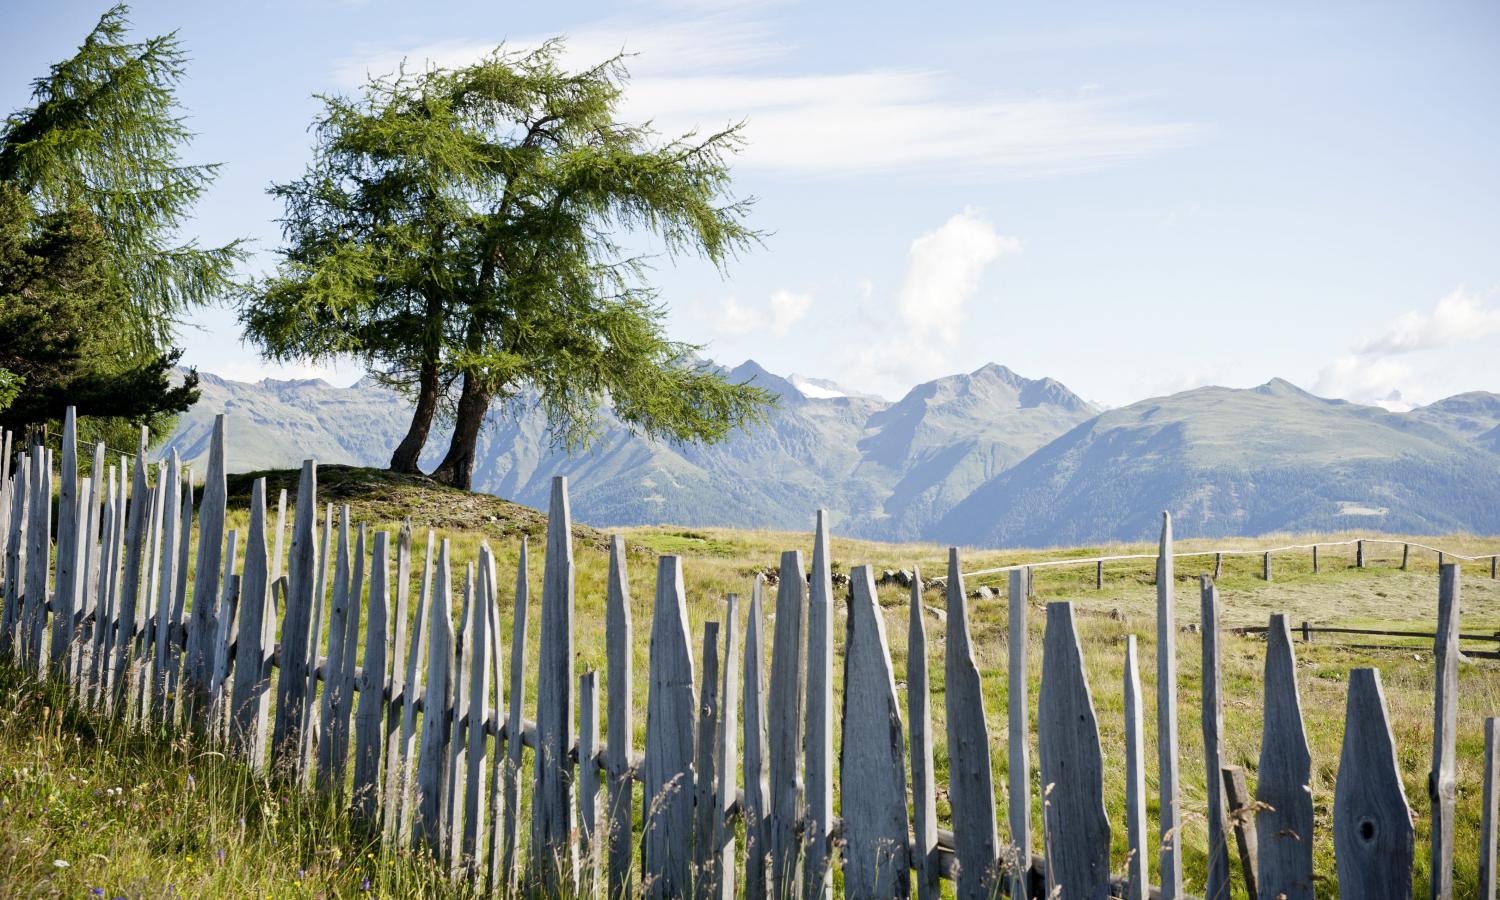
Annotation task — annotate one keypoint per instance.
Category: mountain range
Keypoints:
(987, 457)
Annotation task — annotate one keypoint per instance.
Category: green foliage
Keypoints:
(103, 134)
(64, 336)
(466, 228)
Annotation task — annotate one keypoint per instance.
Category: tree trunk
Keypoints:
(457, 468)
(410, 449)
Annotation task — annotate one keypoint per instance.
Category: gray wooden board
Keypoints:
(1169, 804)
(588, 778)
(1075, 825)
(312, 726)
(1241, 809)
(66, 582)
(209, 561)
(248, 695)
(554, 856)
(479, 712)
(671, 726)
(1137, 877)
(432, 764)
(1217, 884)
(726, 763)
(784, 726)
(757, 808)
(705, 775)
(817, 772)
(171, 535)
(394, 764)
(517, 687)
(1372, 831)
(1490, 811)
(1284, 819)
(491, 839)
(331, 702)
(415, 666)
(971, 788)
(919, 721)
(1442, 782)
(877, 857)
(619, 648)
(369, 736)
(291, 684)
(1018, 739)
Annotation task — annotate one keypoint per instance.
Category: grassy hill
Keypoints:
(139, 845)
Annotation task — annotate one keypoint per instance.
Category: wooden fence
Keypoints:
(422, 733)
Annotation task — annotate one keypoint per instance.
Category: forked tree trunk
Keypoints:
(457, 468)
(410, 449)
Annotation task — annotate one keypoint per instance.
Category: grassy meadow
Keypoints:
(54, 766)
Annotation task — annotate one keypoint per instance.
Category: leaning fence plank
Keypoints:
(312, 723)
(588, 779)
(726, 747)
(479, 712)
(92, 670)
(15, 555)
(491, 837)
(291, 685)
(757, 809)
(619, 648)
(705, 775)
(517, 685)
(1217, 886)
(414, 690)
(1018, 737)
(1490, 811)
(252, 674)
(329, 772)
(817, 825)
(1170, 818)
(1137, 868)
(432, 766)
(1241, 810)
(554, 856)
(877, 858)
(788, 680)
(179, 602)
(167, 582)
(396, 695)
(367, 723)
(458, 740)
(219, 649)
(671, 702)
(919, 721)
(1442, 783)
(1372, 831)
(1284, 818)
(211, 511)
(1075, 827)
(68, 584)
(280, 533)
(39, 559)
(970, 782)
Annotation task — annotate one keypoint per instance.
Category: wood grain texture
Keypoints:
(312, 727)
(369, 733)
(432, 764)
(705, 771)
(1241, 808)
(1018, 737)
(554, 855)
(1489, 875)
(877, 856)
(588, 780)
(1284, 819)
(784, 725)
(1372, 831)
(971, 788)
(1076, 829)
(726, 759)
(817, 772)
(1168, 778)
(415, 667)
(671, 726)
(162, 638)
(919, 721)
(1442, 782)
(291, 684)
(494, 879)
(517, 685)
(1217, 883)
(1137, 874)
(478, 709)
(757, 810)
(250, 694)
(458, 733)
(67, 584)
(394, 762)
(619, 640)
(208, 567)
(334, 689)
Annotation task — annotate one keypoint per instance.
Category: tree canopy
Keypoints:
(463, 233)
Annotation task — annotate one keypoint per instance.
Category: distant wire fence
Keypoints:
(418, 729)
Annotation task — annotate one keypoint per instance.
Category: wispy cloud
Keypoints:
(710, 70)
(775, 318)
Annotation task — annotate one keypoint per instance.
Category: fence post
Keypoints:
(1265, 569)
(817, 876)
(757, 810)
(1099, 575)
(1442, 560)
(1359, 554)
(666, 857)
(722, 866)
(1442, 783)
(1240, 807)
(513, 745)
(619, 638)
(1213, 730)
(1137, 873)
(479, 712)
(490, 877)
(588, 779)
(248, 700)
(330, 772)
(1284, 821)
(1218, 566)
(788, 671)
(312, 728)
(395, 760)
(1315, 558)
(68, 583)
(1017, 738)
(432, 764)
(554, 856)
(1372, 830)
(368, 737)
(919, 721)
(453, 796)
(970, 785)
(163, 637)
(291, 685)
(705, 774)
(39, 562)
(1075, 827)
(211, 511)
(1490, 811)
(1405, 555)
(1166, 716)
(414, 691)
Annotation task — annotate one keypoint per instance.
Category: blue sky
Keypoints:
(1131, 198)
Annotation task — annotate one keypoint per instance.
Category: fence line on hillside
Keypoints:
(436, 743)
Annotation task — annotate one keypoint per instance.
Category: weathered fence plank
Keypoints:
(1075, 827)
(252, 676)
(1442, 783)
(1372, 831)
(757, 811)
(788, 683)
(970, 783)
(39, 560)
(67, 584)
(554, 855)
(395, 761)
(877, 858)
(1241, 809)
(726, 746)
(1217, 885)
(1170, 809)
(517, 685)
(312, 725)
(171, 535)
(179, 600)
(478, 663)
(15, 558)
(491, 837)
(276, 560)
(588, 780)
(432, 764)
(817, 824)
(330, 773)
(1137, 870)
(670, 739)
(705, 775)
(919, 721)
(1490, 811)
(1284, 818)
(291, 684)
(619, 639)
(209, 562)
(1018, 859)
(367, 724)
(457, 779)
(218, 657)
(415, 666)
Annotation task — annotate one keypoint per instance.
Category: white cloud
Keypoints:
(944, 271)
(709, 71)
(1459, 317)
(1364, 379)
(776, 318)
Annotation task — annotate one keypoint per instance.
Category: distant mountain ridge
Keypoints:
(986, 457)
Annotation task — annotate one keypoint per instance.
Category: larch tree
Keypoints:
(462, 232)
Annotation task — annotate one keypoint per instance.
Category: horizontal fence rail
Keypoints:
(407, 702)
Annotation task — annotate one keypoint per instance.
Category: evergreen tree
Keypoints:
(461, 232)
